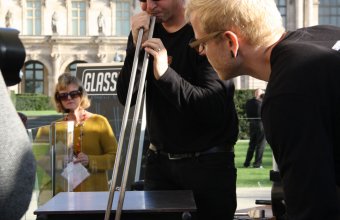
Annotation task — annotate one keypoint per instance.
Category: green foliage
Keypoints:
(252, 177)
(27, 101)
(12, 96)
(240, 99)
(35, 102)
(41, 113)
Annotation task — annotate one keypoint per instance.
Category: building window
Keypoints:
(78, 18)
(123, 18)
(282, 6)
(73, 67)
(34, 78)
(33, 17)
(329, 12)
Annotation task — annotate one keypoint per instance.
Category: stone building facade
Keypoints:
(58, 34)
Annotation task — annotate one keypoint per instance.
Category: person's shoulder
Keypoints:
(319, 36)
(250, 101)
(323, 29)
(95, 116)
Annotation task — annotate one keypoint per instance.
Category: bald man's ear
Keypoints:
(232, 42)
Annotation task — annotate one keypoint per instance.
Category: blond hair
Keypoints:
(64, 80)
(257, 21)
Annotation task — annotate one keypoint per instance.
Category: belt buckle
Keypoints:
(175, 156)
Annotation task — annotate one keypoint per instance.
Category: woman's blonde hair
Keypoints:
(64, 80)
(257, 21)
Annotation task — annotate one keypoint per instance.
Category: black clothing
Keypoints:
(212, 178)
(189, 109)
(305, 135)
(257, 141)
(253, 108)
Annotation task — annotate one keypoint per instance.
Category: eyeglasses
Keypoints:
(73, 94)
(199, 44)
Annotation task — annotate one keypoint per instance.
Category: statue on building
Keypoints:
(101, 23)
(8, 18)
(54, 23)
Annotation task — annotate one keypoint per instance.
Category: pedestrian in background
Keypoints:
(257, 140)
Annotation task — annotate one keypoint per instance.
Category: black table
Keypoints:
(150, 205)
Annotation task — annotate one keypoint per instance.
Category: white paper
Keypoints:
(336, 46)
(75, 173)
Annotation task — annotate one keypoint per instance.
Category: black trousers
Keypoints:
(257, 143)
(211, 177)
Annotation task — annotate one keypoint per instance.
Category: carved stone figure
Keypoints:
(101, 23)
(8, 18)
(54, 22)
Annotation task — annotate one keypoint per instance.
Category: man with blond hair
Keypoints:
(301, 108)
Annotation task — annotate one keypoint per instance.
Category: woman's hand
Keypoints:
(82, 158)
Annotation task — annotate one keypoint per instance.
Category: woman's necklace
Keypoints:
(78, 143)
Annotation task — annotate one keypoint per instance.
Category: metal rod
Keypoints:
(124, 123)
(53, 163)
(123, 127)
(134, 125)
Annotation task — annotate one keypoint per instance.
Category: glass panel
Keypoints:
(29, 86)
(74, 27)
(82, 28)
(126, 6)
(29, 66)
(38, 66)
(82, 5)
(333, 11)
(37, 27)
(29, 27)
(39, 87)
(29, 74)
(41, 150)
(39, 75)
(53, 149)
(329, 12)
(123, 21)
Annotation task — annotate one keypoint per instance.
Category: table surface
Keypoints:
(134, 202)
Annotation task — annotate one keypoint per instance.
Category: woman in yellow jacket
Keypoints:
(94, 143)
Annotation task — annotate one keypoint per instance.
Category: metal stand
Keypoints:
(133, 127)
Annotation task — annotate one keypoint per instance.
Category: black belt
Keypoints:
(178, 156)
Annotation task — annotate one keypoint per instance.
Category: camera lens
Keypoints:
(12, 55)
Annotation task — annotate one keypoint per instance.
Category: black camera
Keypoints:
(12, 55)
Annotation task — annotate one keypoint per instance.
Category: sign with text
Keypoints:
(100, 83)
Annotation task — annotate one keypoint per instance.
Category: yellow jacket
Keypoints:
(100, 145)
(98, 142)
